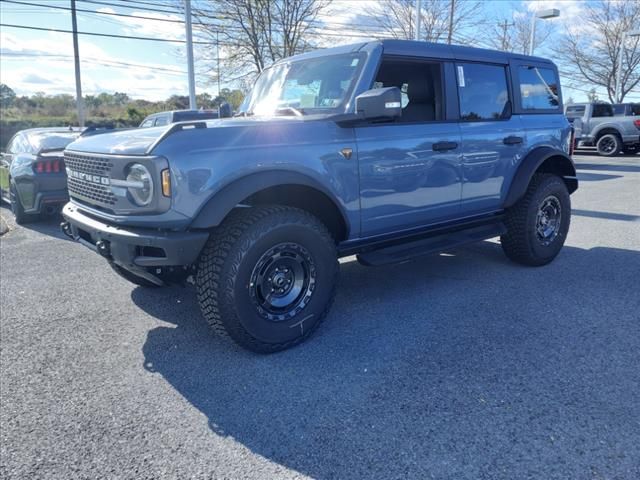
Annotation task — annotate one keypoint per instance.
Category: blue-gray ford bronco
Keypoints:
(386, 150)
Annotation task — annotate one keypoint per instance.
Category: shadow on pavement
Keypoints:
(595, 177)
(608, 167)
(47, 225)
(607, 215)
(459, 366)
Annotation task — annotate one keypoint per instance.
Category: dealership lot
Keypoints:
(461, 365)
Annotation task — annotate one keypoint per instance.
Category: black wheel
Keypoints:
(538, 223)
(609, 145)
(267, 277)
(132, 277)
(17, 208)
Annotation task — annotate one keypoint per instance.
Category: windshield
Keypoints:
(317, 85)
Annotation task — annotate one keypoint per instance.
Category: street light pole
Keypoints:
(544, 15)
(189, 35)
(417, 14)
(630, 33)
(76, 64)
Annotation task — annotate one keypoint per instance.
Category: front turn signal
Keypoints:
(166, 183)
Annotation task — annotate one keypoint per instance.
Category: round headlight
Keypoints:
(141, 188)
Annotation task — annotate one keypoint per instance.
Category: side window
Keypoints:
(421, 85)
(483, 91)
(539, 88)
(602, 110)
(161, 121)
(147, 123)
(634, 109)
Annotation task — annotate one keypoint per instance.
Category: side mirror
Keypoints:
(379, 103)
(224, 110)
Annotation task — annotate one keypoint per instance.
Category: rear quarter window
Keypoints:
(539, 88)
(576, 111)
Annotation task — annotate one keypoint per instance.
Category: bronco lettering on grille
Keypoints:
(87, 177)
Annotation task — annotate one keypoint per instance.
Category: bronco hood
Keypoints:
(136, 141)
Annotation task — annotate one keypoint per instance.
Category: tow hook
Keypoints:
(66, 229)
(103, 248)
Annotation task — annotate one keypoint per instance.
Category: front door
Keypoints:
(494, 141)
(410, 170)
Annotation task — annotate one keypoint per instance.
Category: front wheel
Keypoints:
(267, 277)
(537, 225)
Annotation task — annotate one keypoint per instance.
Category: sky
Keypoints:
(42, 60)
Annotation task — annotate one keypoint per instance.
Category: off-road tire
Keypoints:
(609, 145)
(17, 208)
(232, 254)
(521, 243)
(132, 277)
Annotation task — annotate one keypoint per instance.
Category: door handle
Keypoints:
(444, 146)
(512, 140)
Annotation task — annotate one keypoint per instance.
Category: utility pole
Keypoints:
(76, 62)
(453, 5)
(417, 20)
(504, 42)
(189, 35)
(218, 59)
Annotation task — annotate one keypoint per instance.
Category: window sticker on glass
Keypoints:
(460, 76)
(307, 100)
(354, 62)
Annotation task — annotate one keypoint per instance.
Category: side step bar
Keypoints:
(434, 244)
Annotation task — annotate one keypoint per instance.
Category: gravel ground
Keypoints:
(461, 366)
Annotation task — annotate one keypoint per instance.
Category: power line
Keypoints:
(104, 62)
(133, 7)
(111, 35)
(58, 7)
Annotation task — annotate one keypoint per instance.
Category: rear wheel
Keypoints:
(609, 145)
(17, 208)
(538, 223)
(267, 277)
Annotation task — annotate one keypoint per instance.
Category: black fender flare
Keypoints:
(531, 163)
(228, 197)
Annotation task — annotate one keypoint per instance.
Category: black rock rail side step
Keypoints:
(425, 246)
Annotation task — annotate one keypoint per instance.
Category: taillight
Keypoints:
(48, 166)
(637, 123)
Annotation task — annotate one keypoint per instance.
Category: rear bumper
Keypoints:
(135, 249)
(53, 199)
(631, 139)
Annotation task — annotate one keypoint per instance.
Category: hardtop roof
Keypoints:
(412, 48)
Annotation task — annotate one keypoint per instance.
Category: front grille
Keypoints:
(89, 191)
(88, 164)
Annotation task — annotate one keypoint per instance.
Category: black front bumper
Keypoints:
(136, 249)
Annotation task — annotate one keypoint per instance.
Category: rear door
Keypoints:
(493, 139)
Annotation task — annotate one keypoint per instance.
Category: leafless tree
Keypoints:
(439, 19)
(514, 35)
(590, 51)
(252, 34)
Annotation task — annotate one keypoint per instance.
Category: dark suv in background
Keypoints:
(386, 150)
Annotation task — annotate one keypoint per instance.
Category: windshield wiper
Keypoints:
(295, 111)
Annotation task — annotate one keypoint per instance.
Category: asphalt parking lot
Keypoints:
(461, 366)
